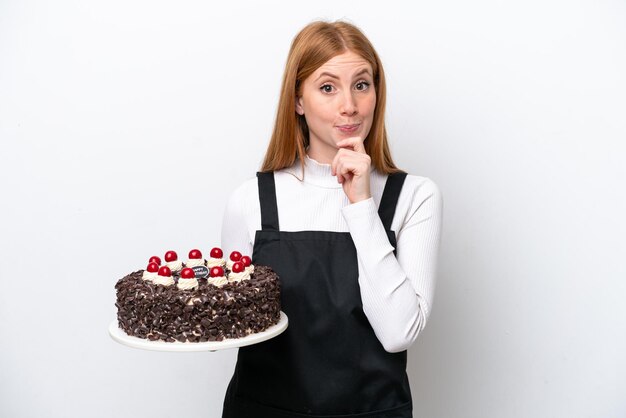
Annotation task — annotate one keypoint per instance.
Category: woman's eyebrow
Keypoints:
(364, 70)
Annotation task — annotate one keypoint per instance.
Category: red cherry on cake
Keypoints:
(246, 260)
(216, 252)
(155, 259)
(237, 267)
(187, 273)
(195, 255)
(165, 271)
(216, 271)
(235, 256)
(171, 256)
(152, 267)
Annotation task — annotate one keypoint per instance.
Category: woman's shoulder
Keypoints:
(421, 195)
(413, 184)
(425, 184)
(249, 188)
(422, 187)
(243, 194)
(418, 193)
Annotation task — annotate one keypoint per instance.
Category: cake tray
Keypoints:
(143, 343)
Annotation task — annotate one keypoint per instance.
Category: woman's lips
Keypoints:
(348, 128)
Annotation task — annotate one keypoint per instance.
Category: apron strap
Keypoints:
(389, 200)
(269, 208)
(267, 198)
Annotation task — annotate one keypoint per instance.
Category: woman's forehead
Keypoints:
(348, 63)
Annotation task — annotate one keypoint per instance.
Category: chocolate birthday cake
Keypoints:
(199, 300)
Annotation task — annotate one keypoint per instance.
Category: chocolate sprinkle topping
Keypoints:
(206, 313)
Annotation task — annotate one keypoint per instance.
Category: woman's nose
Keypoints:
(348, 106)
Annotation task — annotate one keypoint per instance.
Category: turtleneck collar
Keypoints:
(316, 173)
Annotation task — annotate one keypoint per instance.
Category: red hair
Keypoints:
(315, 44)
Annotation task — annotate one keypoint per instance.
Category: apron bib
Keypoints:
(328, 362)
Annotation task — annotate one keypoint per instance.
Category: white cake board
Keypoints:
(121, 337)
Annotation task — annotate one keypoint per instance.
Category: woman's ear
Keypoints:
(299, 108)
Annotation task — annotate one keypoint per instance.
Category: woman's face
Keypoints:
(339, 93)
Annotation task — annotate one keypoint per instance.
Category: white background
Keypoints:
(124, 126)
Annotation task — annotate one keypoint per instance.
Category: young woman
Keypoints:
(354, 240)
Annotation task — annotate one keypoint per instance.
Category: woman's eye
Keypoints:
(363, 83)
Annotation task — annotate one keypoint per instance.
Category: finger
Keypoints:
(347, 161)
(346, 168)
(355, 143)
(333, 164)
(339, 171)
(342, 153)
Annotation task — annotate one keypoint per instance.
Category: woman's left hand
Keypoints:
(351, 165)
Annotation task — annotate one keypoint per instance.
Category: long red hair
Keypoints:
(315, 44)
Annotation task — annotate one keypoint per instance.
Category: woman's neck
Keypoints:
(322, 153)
(315, 172)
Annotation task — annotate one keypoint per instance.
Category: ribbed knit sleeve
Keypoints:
(237, 219)
(397, 291)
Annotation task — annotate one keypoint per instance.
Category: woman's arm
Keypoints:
(397, 292)
(234, 223)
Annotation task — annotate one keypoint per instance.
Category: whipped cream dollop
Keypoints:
(250, 269)
(149, 276)
(176, 265)
(194, 262)
(237, 277)
(215, 262)
(164, 280)
(217, 281)
(187, 284)
(229, 264)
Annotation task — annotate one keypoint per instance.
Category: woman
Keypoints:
(353, 239)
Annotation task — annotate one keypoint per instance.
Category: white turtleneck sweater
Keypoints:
(396, 291)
